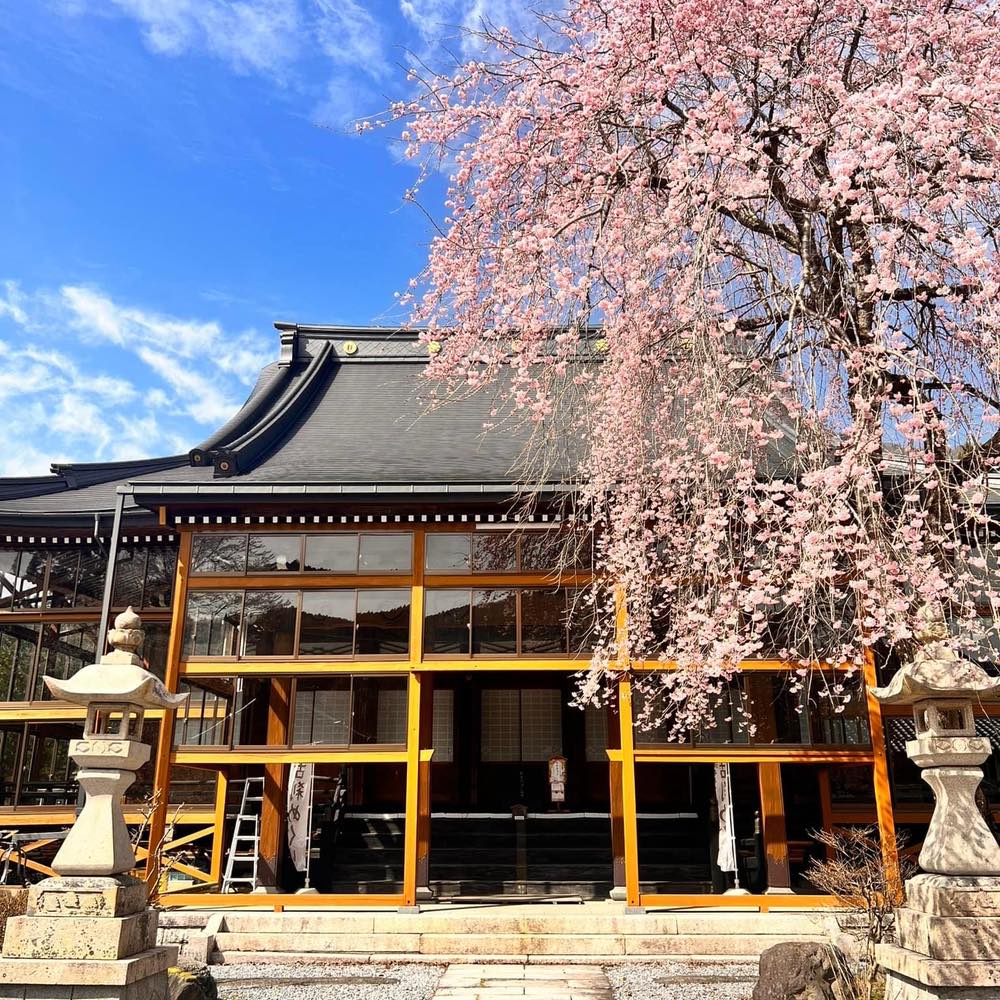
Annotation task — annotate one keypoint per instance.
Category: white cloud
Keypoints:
(261, 36)
(328, 52)
(439, 21)
(104, 380)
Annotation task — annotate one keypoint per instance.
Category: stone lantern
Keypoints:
(949, 927)
(116, 692)
(90, 931)
(943, 691)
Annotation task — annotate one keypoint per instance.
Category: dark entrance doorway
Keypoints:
(495, 829)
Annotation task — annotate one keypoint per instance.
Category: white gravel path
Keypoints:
(413, 981)
(682, 980)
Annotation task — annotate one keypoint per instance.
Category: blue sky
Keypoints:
(175, 175)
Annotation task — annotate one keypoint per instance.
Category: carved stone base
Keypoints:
(949, 941)
(87, 896)
(141, 977)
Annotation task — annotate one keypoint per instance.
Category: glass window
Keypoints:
(581, 616)
(160, 569)
(379, 710)
(274, 554)
(130, 572)
(48, 775)
(269, 623)
(327, 627)
(322, 711)
(543, 621)
(212, 553)
(383, 552)
(212, 623)
(64, 567)
(154, 647)
(90, 582)
(541, 550)
(383, 623)
(448, 551)
(446, 621)
(333, 553)
(204, 719)
(827, 725)
(494, 622)
(30, 584)
(10, 750)
(8, 576)
(253, 695)
(65, 649)
(18, 646)
(494, 552)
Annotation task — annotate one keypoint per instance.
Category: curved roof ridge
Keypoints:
(241, 453)
(271, 383)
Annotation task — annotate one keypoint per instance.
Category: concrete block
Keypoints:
(42, 937)
(88, 896)
(900, 987)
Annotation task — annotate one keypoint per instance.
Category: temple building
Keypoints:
(380, 646)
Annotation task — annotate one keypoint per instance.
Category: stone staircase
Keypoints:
(591, 932)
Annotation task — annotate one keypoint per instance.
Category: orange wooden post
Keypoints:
(165, 743)
(411, 828)
(880, 777)
(218, 836)
(772, 811)
(272, 815)
(630, 826)
(617, 810)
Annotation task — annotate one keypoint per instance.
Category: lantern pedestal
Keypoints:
(85, 937)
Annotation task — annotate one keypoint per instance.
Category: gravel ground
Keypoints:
(306, 982)
(683, 981)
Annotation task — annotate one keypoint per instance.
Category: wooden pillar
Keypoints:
(219, 834)
(426, 741)
(272, 816)
(630, 828)
(616, 806)
(880, 778)
(412, 825)
(772, 811)
(165, 743)
(416, 833)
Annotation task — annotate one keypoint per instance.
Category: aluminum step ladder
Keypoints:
(244, 848)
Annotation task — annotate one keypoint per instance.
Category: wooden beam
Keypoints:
(772, 811)
(161, 774)
(272, 816)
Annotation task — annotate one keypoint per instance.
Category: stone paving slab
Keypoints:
(520, 980)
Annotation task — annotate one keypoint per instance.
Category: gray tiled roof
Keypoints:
(326, 415)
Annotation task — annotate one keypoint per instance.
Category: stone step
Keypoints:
(230, 944)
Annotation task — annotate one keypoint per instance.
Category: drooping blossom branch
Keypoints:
(746, 252)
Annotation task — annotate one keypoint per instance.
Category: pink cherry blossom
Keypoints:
(764, 233)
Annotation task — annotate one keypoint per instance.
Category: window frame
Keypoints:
(303, 536)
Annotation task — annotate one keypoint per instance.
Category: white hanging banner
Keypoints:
(726, 859)
(300, 785)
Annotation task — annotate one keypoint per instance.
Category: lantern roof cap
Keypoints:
(119, 676)
(936, 670)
